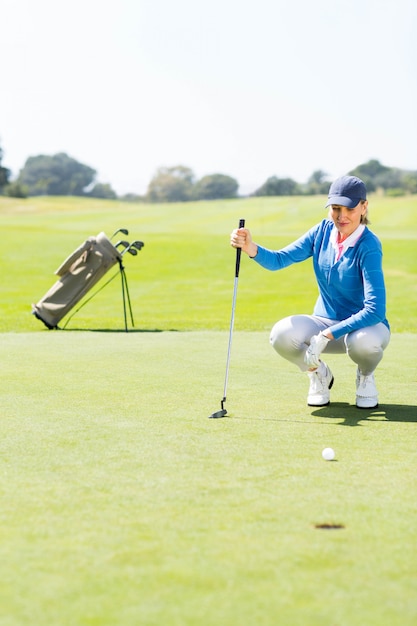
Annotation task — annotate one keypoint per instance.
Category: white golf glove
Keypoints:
(316, 347)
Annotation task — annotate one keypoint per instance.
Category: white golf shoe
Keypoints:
(366, 391)
(321, 381)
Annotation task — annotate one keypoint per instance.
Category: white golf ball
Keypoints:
(328, 454)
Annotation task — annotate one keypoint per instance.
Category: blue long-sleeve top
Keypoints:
(351, 290)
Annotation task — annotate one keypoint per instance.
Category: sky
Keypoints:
(250, 89)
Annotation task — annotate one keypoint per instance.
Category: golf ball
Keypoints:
(328, 454)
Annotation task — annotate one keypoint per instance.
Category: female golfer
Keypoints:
(349, 315)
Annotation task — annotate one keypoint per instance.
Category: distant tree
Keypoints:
(171, 184)
(318, 183)
(274, 186)
(371, 168)
(215, 186)
(132, 197)
(390, 179)
(102, 190)
(395, 192)
(4, 172)
(57, 175)
(15, 190)
(369, 172)
(410, 182)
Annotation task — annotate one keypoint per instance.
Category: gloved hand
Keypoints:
(316, 347)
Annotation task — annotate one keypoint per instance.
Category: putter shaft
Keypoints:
(223, 411)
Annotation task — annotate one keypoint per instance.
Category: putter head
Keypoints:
(220, 413)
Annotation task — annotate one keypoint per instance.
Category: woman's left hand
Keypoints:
(316, 347)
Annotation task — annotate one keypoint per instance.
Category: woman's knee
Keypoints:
(280, 335)
(291, 334)
(367, 343)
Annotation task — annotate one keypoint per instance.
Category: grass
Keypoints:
(121, 503)
(183, 277)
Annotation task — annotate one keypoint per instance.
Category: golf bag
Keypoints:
(77, 275)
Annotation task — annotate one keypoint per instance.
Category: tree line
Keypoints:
(61, 175)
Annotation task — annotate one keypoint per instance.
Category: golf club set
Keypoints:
(131, 248)
(81, 271)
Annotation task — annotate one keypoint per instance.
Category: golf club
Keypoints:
(131, 248)
(120, 230)
(137, 244)
(123, 243)
(223, 410)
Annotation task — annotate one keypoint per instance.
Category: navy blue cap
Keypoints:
(347, 191)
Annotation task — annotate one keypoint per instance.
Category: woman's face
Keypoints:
(347, 220)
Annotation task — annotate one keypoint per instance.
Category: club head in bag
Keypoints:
(123, 243)
(137, 244)
(124, 231)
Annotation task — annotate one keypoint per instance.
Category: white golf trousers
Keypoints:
(290, 337)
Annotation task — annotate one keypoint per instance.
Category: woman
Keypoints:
(349, 315)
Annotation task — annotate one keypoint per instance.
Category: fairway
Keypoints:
(123, 504)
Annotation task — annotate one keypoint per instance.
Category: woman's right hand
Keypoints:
(242, 238)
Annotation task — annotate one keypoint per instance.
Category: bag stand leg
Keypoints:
(125, 295)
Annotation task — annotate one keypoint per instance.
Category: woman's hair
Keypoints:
(364, 218)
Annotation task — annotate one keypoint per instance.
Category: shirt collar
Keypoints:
(349, 241)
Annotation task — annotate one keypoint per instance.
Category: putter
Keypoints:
(223, 410)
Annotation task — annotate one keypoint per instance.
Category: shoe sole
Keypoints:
(325, 403)
(367, 408)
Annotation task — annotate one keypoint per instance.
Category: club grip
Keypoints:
(239, 250)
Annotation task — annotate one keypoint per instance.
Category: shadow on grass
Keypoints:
(352, 416)
(345, 414)
(117, 330)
